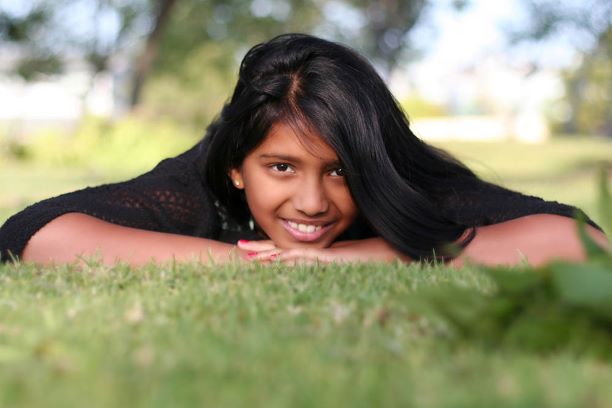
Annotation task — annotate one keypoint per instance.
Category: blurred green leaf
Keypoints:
(514, 281)
(459, 307)
(592, 248)
(542, 327)
(584, 285)
(604, 200)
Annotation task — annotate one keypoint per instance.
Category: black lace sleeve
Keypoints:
(482, 203)
(169, 198)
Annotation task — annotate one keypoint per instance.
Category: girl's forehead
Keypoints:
(285, 138)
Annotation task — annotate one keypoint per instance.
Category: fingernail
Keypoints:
(251, 254)
(273, 256)
(242, 241)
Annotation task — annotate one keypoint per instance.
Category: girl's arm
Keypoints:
(538, 238)
(169, 198)
(71, 236)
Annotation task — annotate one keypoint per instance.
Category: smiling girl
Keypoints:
(311, 160)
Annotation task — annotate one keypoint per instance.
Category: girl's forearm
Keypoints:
(73, 236)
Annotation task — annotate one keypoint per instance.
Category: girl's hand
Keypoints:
(365, 250)
(254, 250)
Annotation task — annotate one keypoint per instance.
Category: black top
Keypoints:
(172, 198)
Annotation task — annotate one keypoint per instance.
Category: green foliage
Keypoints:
(36, 59)
(559, 306)
(585, 106)
(195, 93)
(47, 39)
(129, 145)
(34, 66)
(604, 201)
(18, 28)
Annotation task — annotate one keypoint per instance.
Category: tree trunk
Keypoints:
(145, 60)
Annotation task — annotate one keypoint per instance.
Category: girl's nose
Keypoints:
(310, 198)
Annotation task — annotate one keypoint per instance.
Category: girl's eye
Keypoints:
(339, 172)
(282, 168)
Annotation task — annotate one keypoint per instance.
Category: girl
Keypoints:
(312, 160)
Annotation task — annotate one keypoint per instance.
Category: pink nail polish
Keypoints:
(273, 256)
(251, 254)
(242, 241)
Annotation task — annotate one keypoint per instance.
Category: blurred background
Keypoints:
(96, 91)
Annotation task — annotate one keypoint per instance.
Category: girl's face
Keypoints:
(298, 196)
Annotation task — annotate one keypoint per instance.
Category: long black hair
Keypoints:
(397, 181)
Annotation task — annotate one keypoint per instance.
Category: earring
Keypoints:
(237, 183)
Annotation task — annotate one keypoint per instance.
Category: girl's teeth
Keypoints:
(303, 227)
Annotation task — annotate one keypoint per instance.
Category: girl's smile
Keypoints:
(305, 231)
(295, 189)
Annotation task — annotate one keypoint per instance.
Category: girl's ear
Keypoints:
(236, 176)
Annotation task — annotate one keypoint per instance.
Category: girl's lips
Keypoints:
(306, 236)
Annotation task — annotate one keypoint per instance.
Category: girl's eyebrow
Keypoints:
(293, 159)
(280, 157)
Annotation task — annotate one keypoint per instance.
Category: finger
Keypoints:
(256, 246)
(302, 256)
(267, 255)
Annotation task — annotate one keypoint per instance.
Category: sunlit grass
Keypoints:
(185, 335)
(556, 159)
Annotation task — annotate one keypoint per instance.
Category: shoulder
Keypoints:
(537, 238)
(532, 224)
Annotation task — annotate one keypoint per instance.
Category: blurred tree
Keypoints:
(51, 37)
(588, 92)
(189, 49)
(383, 34)
(202, 46)
(585, 26)
(46, 35)
(381, 29)
(145, 59)
(37, 58)
(193, 70)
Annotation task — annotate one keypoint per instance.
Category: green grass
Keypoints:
(194, 335)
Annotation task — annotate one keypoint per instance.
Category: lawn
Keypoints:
(195, 335)
(246, 335)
